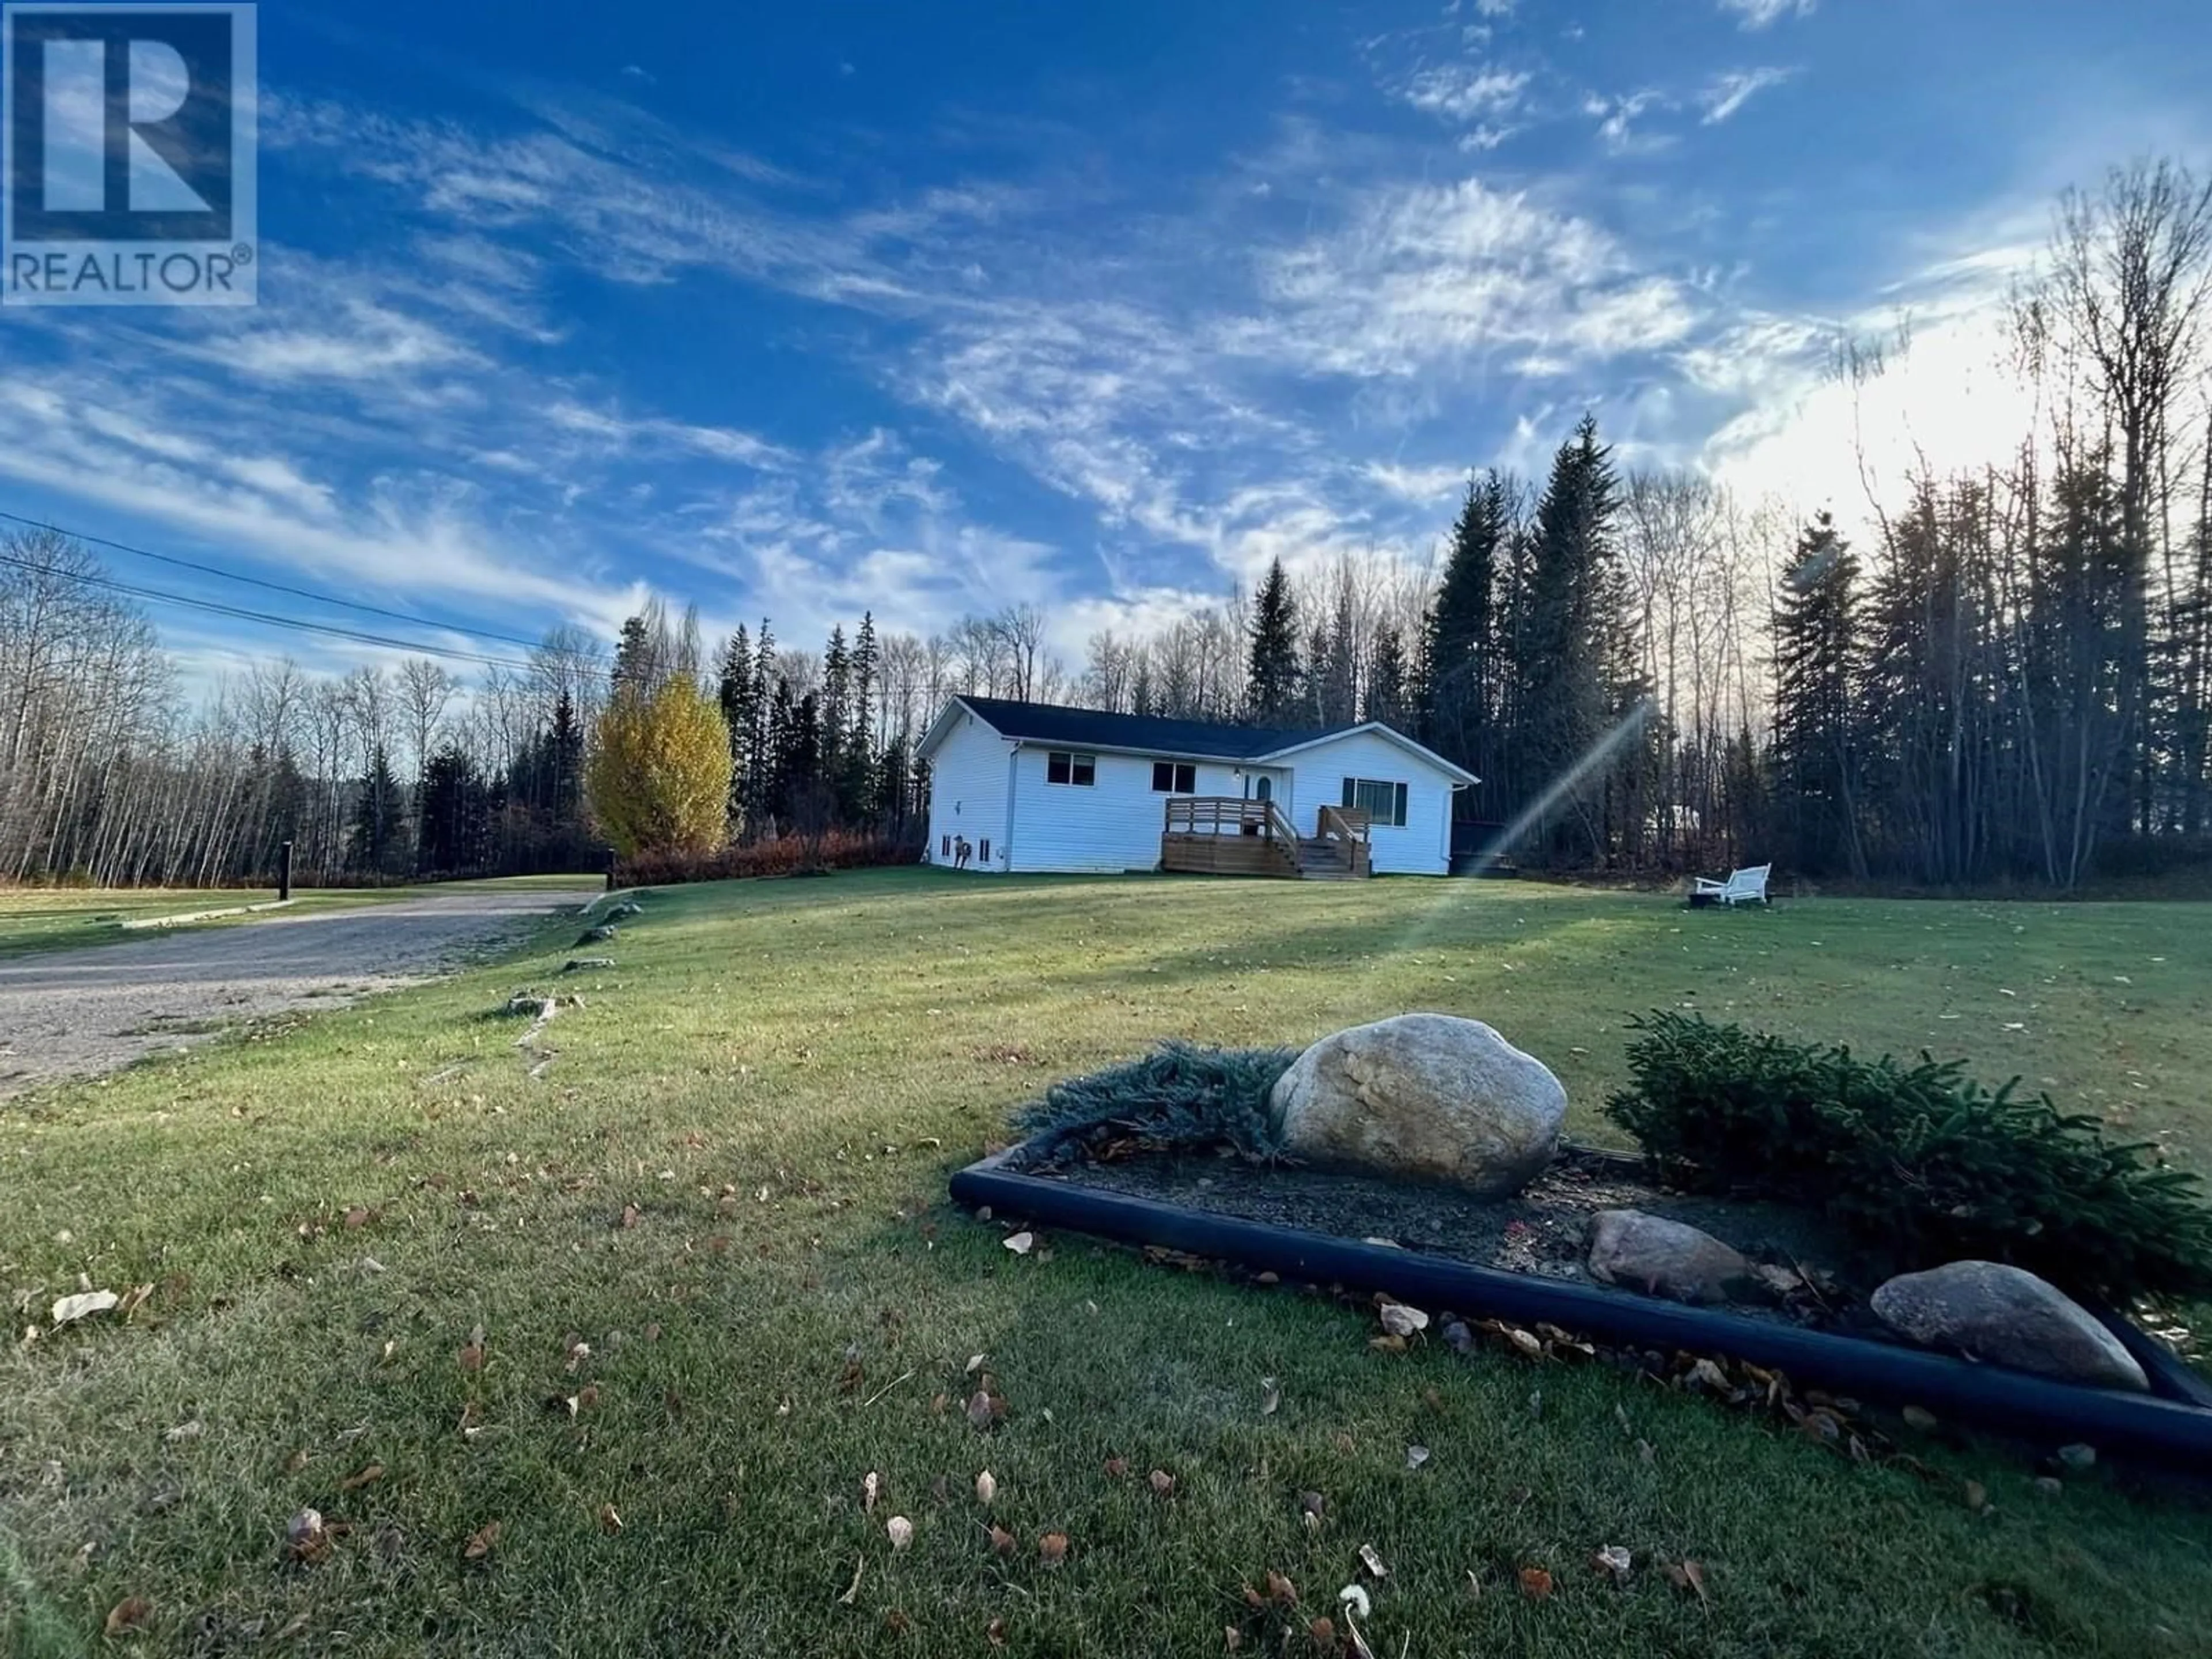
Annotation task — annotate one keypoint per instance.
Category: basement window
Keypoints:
(1383, 803)
(1061, 767)
(983, 852)
(1175, 778)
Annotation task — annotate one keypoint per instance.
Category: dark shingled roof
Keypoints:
(1092, 728)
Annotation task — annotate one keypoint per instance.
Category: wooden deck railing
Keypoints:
(1351, 828)
(1224, 835)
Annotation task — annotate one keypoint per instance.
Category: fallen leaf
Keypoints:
(480, 1543)
(129, 1614)
(133, 1300)
(1371, 1559)
(852, 1589)
(975, 1363)
(1323, 1634)
(191, 1431)
(1163, 1483)
(901, 1531)
(610, 1521)
(70, 1308)
(995, 1633)
(1978, 1496)
(985, 1408)
(357, 1217)
(1021, 1244)
(1688, 1575)
(1613, 1560)
(1003, 1542)
(1400, 1320)
(1527, 1342)
(870, 1488)
(1281, 1591)
(1271, 1396)
(986, 1487)
(630, 1216)
(1392, 1344)
(297, 1461)
(1416, 1456)
(897, 1623)
(368, 1475)
(1052, 1548)
(1232, 1639)
(1535, 1584)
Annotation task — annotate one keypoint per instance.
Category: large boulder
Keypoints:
(2007, 1316)
(1425, 1096)
(1659, 1257)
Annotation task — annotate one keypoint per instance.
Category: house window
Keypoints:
(1383, 803)
(946, 851)
(1175, 778)
(1060, 767)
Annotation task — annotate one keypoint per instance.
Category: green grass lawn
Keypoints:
(773, 1086)
(63, 918)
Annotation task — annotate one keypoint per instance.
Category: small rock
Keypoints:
(625, 910)
(586, 964)
(1659, 1257)
(1920, 1418)
(599, 935)
(2078, 1457)
(1457, 1337)
(2005, 1316)
(2050, 1486)
(530, 1005)
(1428, 1097)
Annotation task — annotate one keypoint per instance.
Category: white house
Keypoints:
(1027, 786)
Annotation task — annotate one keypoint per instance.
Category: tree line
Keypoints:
(2008, 680)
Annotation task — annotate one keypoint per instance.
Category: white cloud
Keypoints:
(1617, 116)
(1426, 277)
(1486, 137)
(1730, 92)
(1758, 14)
(1464, 93)
(1416, 483)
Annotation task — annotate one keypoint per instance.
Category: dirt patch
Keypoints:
(1543, 1231)
(78, 1013)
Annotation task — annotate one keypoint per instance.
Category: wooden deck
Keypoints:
(1222, 835)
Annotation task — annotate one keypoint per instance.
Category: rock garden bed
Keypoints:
(1866, 1226)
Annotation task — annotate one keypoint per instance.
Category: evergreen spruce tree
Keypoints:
(762, 743)
(1271, 680)
(1816, 650)
(378, 845)
(1573, 645)
(736, 693)
(1459, 668)
(1385, 681)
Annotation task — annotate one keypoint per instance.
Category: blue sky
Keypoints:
(805, 310)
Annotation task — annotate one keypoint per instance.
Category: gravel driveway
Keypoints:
(68, 1013)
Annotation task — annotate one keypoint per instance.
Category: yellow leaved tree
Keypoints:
(659, 775)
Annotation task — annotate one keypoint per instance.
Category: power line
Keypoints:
(274, 588)
(270, 618)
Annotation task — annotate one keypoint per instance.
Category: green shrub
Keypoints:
(1919, 1162)
(1179, 1097)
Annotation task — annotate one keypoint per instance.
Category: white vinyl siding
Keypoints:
(968, 775)
(1114, 825)
(1422, 846)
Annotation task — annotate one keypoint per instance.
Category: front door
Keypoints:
(1264, 789)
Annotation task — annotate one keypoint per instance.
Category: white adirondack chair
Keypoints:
(1742, 887)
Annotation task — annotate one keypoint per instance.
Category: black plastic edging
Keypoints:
(2154, 1425)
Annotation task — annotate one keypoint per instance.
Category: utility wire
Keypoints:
(271, 618)
(274, 588)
